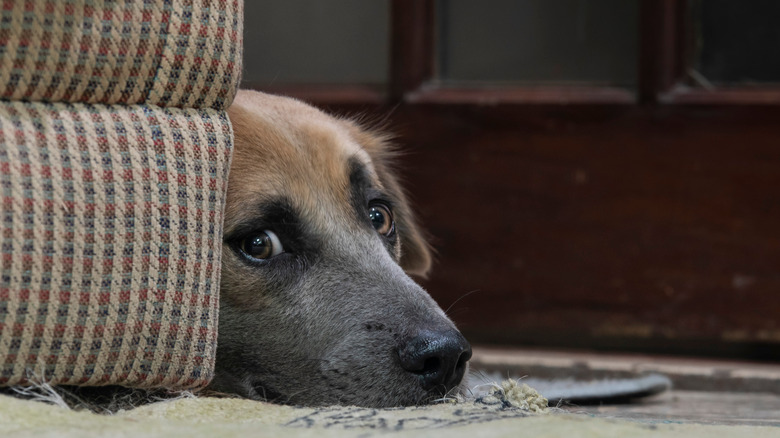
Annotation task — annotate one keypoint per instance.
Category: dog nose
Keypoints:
(439, 359)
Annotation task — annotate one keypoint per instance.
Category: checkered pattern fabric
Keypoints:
(163, 52)
(111, 240)
(114, 153)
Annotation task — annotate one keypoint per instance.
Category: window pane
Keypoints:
(314, 41)
(539, 41)
(734, 42)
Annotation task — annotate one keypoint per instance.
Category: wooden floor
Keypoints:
(705, 407)
(705, 391)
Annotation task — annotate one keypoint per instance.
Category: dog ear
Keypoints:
(416, 253)
(416, 256)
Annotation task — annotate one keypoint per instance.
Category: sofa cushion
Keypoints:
(183, 53)
(110, 243)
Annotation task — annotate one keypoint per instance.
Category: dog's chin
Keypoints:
(371, 395)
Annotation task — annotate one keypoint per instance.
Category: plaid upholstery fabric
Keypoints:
(111, 243)
(183, 53)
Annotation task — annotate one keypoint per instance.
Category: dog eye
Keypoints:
(262, 246)
(381, 219)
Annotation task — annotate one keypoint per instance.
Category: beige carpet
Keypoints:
(493, 416)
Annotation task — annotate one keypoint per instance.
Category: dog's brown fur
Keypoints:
(327, 320)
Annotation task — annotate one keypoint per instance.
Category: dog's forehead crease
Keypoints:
(288, 150)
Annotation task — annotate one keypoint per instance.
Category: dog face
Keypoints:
(315, 305)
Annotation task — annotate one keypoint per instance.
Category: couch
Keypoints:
(114, 154)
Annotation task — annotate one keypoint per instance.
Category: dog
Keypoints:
(316, 303)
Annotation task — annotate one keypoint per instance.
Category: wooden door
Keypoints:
(624, 193)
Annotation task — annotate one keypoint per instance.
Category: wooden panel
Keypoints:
(444, 95)
(661, 38)
(604, 226)
(684, 95)
(412, 45)
(326, 94)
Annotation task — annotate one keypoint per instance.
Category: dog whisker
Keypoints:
(421, 399)
(295, 394)
(454, 392)
(458, 311)
(447, 311)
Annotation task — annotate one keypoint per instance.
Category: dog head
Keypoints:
(316, 306)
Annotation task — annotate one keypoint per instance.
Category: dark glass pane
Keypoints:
(314, 41)
(538, 41)
(735, 42)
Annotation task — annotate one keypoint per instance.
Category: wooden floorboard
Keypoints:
(703, 407)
